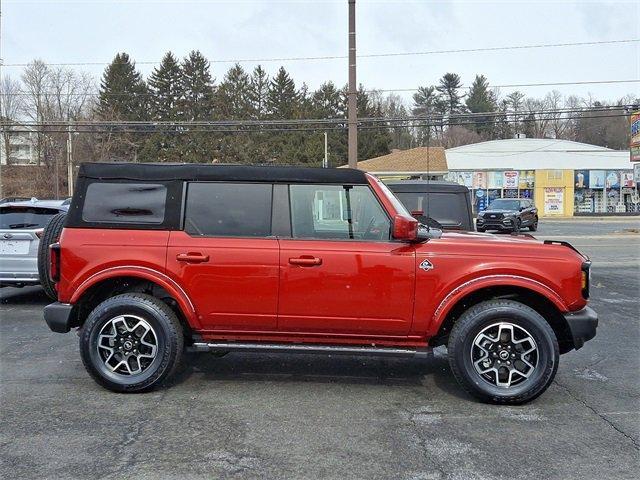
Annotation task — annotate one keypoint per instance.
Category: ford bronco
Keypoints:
(157, 259)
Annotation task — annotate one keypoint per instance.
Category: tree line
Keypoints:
(185, 90)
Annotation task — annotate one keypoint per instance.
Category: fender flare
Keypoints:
(159, 278)
(475, 284)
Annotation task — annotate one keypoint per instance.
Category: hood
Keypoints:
(495, 246)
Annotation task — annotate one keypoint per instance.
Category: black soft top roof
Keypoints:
(211, 172)
(426, 186)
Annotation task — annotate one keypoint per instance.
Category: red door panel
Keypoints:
(232, 282)
(346, 287)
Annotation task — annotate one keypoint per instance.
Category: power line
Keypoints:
(478, 116)
(342, 126)
(370, 55)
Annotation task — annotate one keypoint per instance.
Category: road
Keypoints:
(248, 416)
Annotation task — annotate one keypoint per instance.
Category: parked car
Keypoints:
(154, 259)
(13, 199)
(511, 214)
(447, 203)
(21, 228)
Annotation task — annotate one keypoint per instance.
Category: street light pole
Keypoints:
(69, 162)
(352, 120)
(325, 163)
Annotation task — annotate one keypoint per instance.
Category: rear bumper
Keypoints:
(582, 324)
(58, 317)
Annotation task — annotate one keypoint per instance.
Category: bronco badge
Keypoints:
(426, 265)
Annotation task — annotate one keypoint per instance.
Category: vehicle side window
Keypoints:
(218, 209)
(338, 212)
(135, 203)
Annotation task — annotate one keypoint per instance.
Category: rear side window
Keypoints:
(228, 209)
(137, 203)
(12, 218)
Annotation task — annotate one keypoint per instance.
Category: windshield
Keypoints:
(503, 204)
(25, 217)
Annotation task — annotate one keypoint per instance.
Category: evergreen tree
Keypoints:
(373, 142)
(233, 96)
(282, 97)
(197, 104)
(123, 93)
(449, 87)
(426, 102)
(326, 101)
(197, 86)
(515, 102)
(258, 92)
(480, 100)
(165, 86)
(166, 96)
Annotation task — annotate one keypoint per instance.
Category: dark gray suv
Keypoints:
(510, 214)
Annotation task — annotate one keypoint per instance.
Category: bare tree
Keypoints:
(10, 106)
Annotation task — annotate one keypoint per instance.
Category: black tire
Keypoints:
(481, 230)
(165, 327)
(51, 234)
(534, 226)
(518, 226)
(485, 315)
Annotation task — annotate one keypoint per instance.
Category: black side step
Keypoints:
(310, 348)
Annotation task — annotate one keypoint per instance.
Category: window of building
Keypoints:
(554, 175)
(132, 203)
(349, 212)
(228, 209)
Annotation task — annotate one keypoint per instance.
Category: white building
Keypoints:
(22, 149)
(563, 177)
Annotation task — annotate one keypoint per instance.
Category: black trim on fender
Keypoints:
(582, 325)
(58, 317)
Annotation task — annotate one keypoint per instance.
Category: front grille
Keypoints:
(493, 216)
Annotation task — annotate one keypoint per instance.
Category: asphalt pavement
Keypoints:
(247, 416)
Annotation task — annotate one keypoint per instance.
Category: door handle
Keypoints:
(306, 261)
(192, 257)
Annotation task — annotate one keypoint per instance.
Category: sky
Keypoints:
(94, 31)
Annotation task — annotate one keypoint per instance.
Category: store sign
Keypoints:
(465, 178)
(494, 180)
(581, 179)
(636, 174)
(596, 179)
(526, 179)
(553, 201)
(480, 180)
(613, 179)
(635, 137)
(510, 179)
(626, 179)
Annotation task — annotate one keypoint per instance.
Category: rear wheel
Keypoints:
(50, 235)
(503, 352)
(131, 343)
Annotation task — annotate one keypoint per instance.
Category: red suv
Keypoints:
(156, 259)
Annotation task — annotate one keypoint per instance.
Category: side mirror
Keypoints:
(405, 228)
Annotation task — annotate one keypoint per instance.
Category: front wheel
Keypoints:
(503, 352)
(131, 343)
(534, 226)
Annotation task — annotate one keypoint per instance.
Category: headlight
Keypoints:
(481, 214)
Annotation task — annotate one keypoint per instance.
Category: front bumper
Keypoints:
(582, 325)
(58, 317)
(505, 224)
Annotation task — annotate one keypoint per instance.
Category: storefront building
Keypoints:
(563, 178)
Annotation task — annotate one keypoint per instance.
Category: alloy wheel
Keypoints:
(504, 354)
(127, 344)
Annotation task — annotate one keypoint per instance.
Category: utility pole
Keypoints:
(352, 120)
(325, 163)
(69, 162)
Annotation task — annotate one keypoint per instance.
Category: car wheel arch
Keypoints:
(133, 279)
(529, 292)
